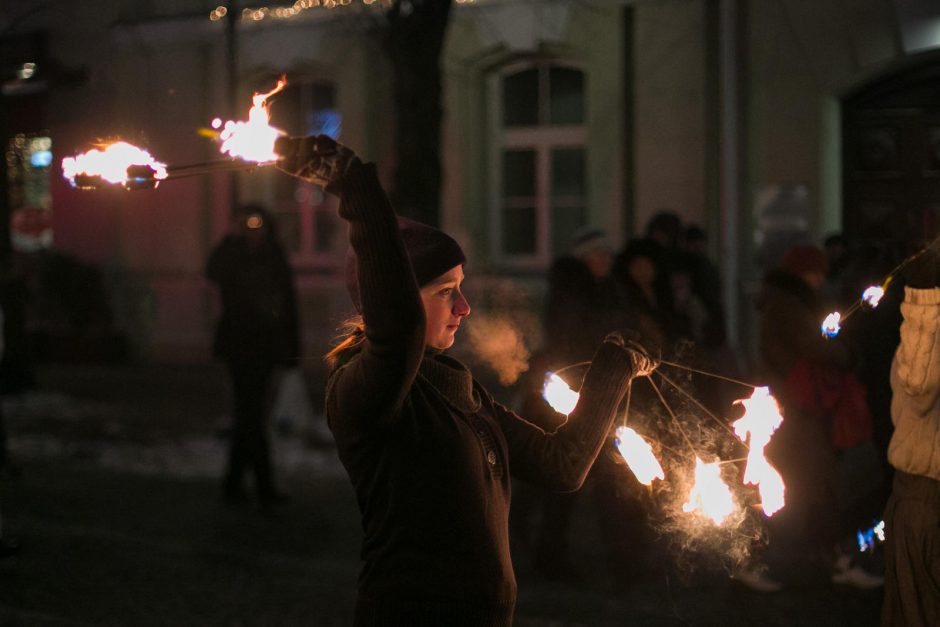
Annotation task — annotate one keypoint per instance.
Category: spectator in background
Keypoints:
(810, 376)
(257, 332)
(584, 304)
(706, 285)
(637, 269)
(912, 516)
(665, 228)
(874, 336)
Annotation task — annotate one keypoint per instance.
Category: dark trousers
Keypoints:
(248, 444)
(912, 553)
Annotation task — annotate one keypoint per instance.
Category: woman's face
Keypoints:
(444, 307)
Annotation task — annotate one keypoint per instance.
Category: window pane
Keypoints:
(567, 172)
(521, 98)
(566, 93)
(519, 230)
(565, 221)
(518, 173)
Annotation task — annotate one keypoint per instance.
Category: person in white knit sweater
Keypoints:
(912, 514)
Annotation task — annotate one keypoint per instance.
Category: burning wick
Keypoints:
(830, 326)
(252, 140)
(557, 394)
(639, 456)
(866, 539)
(709, 495)
(761, 418)
(111, 165)
(872, 295)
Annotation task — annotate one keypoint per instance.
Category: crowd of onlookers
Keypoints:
(665, 292)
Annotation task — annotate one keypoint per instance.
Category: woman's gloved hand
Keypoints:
(315, 158)
(643, 363)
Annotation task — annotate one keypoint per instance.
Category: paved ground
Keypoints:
(118, 513)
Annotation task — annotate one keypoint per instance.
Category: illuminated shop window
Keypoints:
(539, 161)
(29, 161)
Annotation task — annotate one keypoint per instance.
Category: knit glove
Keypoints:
(924, 271)
(315, 158)
(643, 363)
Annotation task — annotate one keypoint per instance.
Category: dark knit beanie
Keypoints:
(801, 259)
(431, 252)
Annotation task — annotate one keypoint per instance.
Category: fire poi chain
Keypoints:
(709, 495)
(249, 144)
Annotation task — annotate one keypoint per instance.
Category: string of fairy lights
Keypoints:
(257, 14)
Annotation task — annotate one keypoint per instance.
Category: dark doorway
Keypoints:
(891, 157)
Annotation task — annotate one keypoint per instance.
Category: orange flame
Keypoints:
(710, 496)
(639, 456)
(761, 418)
(557, 393)
(111, 163)
(253, 140)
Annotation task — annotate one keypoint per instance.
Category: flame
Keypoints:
(252, 140)
(830, 326)
(761, 418)
(111, 163)
(709, 495)
(872, 295)
(639, 456)
(870, 537)
(557, 393)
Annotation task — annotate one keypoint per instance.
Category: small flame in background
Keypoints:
(252, 140)
(639, 456)
(761, 418)
(873, 295)
(557, 394)
(831, 325)
(111, 163)
(867, 539)
(710, 496)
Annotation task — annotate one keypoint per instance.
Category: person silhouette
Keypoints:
(257, 332)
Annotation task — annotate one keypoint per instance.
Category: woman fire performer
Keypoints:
(427, 449)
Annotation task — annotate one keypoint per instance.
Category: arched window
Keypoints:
(539, 161)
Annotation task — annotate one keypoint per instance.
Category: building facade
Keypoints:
(755, 120)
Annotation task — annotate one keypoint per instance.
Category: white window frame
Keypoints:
(542, 139)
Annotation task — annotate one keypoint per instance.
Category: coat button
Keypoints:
(491, 458)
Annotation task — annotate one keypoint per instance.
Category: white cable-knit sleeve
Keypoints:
(916, 367)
